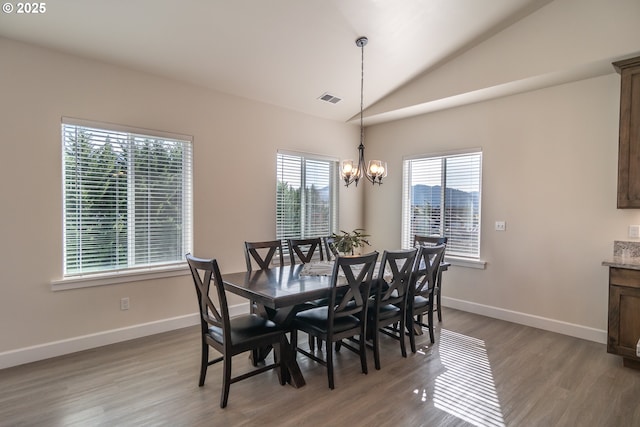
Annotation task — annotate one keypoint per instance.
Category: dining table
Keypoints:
(279, 293)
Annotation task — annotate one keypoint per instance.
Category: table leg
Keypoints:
(294, 376)
(283, 316)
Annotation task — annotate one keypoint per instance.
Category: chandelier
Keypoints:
(351, 172)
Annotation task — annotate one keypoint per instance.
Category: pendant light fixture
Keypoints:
(376, 170)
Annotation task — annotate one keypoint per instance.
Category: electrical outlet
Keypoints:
(501, 226)
(124, 303)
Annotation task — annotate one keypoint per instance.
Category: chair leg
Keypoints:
(204, 363)
(255, 356)
(312, 342)
(329, 346)
(403, 347)
(438, 299)
(430, 318)
(439, 296)
(319, 342)
(412, 338)
(376, 346)
(226, 381)
(280, 357)
(363, 352)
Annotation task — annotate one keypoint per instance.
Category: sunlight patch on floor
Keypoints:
(466, 389)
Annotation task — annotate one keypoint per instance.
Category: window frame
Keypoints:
(333, 191)
(467, 260)
(133, 270)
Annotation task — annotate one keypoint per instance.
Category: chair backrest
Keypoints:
(330, 248)
(425, 270)
(399, 264)
(419, 240)
(205, 272)
(304, 249)
(262, 253)
(351, 298)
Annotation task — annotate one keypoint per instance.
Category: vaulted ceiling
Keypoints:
(283, 52)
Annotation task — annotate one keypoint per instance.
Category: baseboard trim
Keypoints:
(86, 342)
(552, 325)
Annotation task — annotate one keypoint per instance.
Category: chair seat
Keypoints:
(420, 301)
(245, 328)
(386, 311)
(317, 318)
(322, 302)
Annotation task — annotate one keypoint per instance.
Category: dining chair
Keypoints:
(421, 291)
(345, 315)
(330, 248)
(419, 240)
(390, 301)
(304, 249)
(231, 336)
(262, 253)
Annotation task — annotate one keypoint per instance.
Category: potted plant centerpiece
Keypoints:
(347, 242)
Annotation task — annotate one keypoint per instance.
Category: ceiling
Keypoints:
(283, 52)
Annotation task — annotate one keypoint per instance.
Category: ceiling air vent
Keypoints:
(329, 98)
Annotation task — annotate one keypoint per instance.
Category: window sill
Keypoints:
(122, 276)
(466, 262)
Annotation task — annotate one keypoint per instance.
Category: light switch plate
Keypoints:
(634, 231)
(501, 226)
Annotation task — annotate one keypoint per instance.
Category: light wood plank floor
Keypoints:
(481, 372)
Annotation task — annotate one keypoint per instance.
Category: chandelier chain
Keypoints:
(361, 92)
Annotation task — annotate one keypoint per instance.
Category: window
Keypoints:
(441, 196)
(306, 196)
(127, 198)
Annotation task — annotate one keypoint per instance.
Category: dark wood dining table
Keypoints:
(279, 293)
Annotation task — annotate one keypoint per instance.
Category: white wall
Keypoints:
(549, 165)
(550, 160)
(235, 144)
(549, 171)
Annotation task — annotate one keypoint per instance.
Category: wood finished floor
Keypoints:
(480, 372)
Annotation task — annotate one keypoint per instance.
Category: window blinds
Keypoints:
(306, 196)
(441, 196)
(127, 199)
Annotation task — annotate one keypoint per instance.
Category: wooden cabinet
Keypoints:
(629, 139)
(624, 314)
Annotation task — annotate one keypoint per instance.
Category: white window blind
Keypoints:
(306, 196)
(441, 196)
(127, 198)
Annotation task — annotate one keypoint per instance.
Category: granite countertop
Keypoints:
(625, 255)
(632, 263)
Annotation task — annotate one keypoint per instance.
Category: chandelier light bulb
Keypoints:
(347, 167)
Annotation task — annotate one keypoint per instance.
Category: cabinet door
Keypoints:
(624, 320)
(629, 138)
